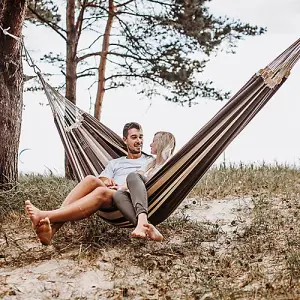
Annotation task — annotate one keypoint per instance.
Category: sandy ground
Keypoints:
(225, 213)
(71, 278)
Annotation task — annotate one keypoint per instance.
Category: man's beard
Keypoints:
(133, 151)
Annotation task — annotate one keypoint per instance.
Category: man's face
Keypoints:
(134, 141)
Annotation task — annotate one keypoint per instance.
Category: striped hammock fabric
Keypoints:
(90, 145)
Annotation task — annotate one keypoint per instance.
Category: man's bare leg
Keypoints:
(83, 188)
(77, 210)
(141, 231)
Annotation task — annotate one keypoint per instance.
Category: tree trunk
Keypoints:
(103, 60)
(12, 14)
(71, 65)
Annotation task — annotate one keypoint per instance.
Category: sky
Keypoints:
(272, 136)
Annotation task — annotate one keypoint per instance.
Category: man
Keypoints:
(115, 173)
(92, 193)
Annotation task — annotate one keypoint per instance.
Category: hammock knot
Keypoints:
(272, 78)
(76, 124)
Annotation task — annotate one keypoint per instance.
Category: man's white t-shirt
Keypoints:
(119, 168)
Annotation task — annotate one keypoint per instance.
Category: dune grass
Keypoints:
(260, 259)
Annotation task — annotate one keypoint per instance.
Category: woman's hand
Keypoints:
(122, 187)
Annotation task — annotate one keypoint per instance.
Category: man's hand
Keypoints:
(114, 187)
(109, 182)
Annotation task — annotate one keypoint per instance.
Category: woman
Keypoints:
(132, 199)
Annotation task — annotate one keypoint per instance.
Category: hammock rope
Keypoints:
(5, 32)
(90, 145)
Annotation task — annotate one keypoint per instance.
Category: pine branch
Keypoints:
(98, 37)
(54, 26)
(78, 26)
(88, 55)
(123, 4)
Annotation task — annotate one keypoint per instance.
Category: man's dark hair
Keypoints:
(130, 125)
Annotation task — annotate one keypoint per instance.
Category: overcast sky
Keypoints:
(272, 136)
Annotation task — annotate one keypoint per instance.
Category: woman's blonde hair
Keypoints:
(165, 143)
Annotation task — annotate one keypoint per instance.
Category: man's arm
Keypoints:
(107, 175)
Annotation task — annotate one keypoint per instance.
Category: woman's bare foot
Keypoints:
(153, 233)
(44, 231)
(34, 214)
(140, 231)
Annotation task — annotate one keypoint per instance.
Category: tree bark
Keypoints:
(12, 13)
(103, 60)
(71, 63)
(71, 66)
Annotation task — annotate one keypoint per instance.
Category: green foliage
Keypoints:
(153, 44)
(45, 9)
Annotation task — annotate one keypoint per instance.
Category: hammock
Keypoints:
(90, 145)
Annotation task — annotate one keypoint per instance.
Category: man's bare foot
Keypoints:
(153, 233)
(140, 231)
(34, 214)
(44, 231)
